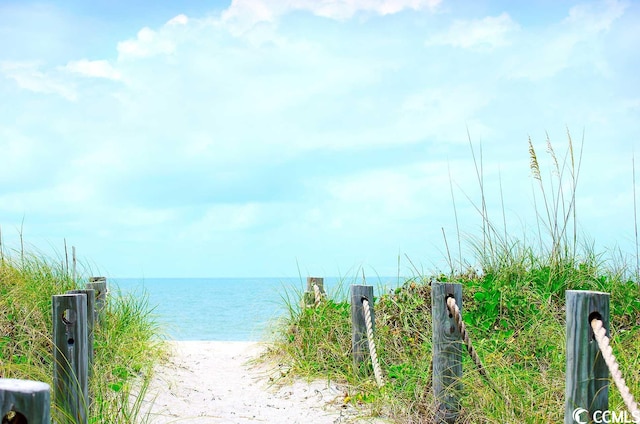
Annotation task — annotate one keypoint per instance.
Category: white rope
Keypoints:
(607, 353)
(453, 308)
(317, 294)
(377, 372)
(462, 328)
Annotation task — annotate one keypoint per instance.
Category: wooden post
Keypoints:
(26, 401)
(70, 365)
(310, 295)
(99, 284)
(587, 375)
(447, 352)
(91, 301)
(358, 326)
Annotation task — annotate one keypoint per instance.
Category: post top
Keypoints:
(586, 292)
(69, 295)
(22, 386)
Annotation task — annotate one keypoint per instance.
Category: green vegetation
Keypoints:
(126, 345)
(513, 308)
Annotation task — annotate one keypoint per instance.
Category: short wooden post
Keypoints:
(26, 401)
(99, 285)
(447, 352)
(310, 295)
(359, 343)
(587, 375)
(70, 365)
(91, 301)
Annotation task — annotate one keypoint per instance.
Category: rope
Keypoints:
(457, 316)
(607, 353)
(317, 294)
(377, 372)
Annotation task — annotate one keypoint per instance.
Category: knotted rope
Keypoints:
(317, 294)
(377, 372)
(457, 316)
(607, 353)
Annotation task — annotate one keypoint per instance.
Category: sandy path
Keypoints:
(214, 382)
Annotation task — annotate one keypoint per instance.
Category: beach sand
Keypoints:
(219, 382)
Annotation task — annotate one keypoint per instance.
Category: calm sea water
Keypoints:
(219, 308)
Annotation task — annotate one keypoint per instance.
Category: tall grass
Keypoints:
(513, 308)
(126, 342)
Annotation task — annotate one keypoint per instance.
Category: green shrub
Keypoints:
(513, 309)
(126, 343)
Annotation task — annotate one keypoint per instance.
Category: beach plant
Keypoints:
(127, 341)
(513, 306)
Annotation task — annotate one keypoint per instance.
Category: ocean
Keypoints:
(225, 309)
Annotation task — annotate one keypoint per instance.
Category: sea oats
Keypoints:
(533, 164)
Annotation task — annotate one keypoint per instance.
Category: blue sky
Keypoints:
(194, 138)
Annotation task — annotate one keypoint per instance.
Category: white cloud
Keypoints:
(577, 41)
(28, 76)
(178, 20)
(596, 17)
(301, 129)
(94, 68)
(146, 44)
(345, 9)
(485, 34)
(539, 53)
(239, 90)
(244, 14)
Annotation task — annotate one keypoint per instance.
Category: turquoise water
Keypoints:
(233, 309)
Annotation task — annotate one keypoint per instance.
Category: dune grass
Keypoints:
(513, 306)
(126, 343)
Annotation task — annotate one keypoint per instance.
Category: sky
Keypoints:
(259, 138)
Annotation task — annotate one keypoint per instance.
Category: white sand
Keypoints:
(216, 382)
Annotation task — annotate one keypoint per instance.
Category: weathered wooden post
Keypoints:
(99, 285)
(91, 301)
(70, 364)
(24, 401)
(587, 375)
(358, 325)
(447, 352)
(311, 295)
